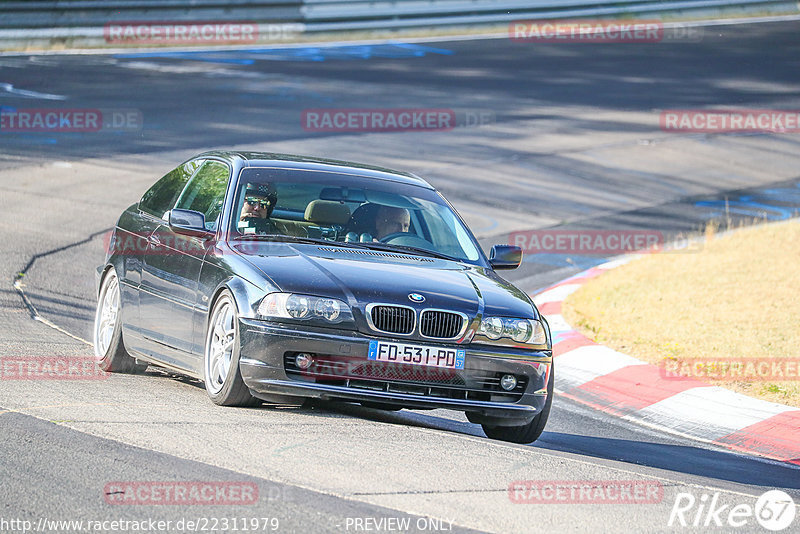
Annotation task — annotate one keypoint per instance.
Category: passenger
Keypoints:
(391, 220)
(371, 222)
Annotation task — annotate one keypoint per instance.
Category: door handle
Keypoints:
(154, 240)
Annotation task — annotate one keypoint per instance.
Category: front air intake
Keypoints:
(440, 324)
(392, 319)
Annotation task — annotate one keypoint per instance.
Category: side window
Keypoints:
(206, 192)
(161, 198)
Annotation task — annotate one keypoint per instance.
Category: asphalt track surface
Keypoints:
(573, 141)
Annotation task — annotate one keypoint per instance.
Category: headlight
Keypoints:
(527, 331)
(492, 327)
(518, 330)
(328, 309)
(304, 307)
(298, 306)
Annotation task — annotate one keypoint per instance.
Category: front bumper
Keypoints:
(342, 371)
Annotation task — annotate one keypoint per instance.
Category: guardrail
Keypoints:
(333, 15)
(85, 19)
(97, 13)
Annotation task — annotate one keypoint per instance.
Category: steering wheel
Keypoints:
(408, 239)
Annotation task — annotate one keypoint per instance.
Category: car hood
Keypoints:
(360, 277)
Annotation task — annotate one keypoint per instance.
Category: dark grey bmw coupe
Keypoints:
(276, 277)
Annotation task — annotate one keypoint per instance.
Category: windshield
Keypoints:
(339, 208)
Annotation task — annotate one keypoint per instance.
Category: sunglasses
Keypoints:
(257, 202)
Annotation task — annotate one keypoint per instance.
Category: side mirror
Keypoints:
(188, 222)
(505, 257)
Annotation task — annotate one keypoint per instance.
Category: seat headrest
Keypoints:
(327, 212)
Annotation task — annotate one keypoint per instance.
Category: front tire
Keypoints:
(525, 433)
(222, 376)
(109, 349)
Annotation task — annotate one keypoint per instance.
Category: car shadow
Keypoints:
(686, 459)
(719, 464)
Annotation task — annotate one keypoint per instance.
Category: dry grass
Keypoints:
(738, 297)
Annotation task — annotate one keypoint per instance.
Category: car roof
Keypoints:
(293, 161)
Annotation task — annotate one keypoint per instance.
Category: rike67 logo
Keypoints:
(774, 510)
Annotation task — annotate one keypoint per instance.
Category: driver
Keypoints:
(259, 201)
(389, 220)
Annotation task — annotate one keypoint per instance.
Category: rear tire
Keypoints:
(525, 433)
(222, 377)
(109, 349)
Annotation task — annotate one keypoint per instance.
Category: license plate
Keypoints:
(387, 351)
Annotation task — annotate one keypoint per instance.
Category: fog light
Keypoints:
(508, 382)
(304, 361)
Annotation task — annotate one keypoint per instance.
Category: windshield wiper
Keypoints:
(407, 248)
(367, 245)
(295, 239)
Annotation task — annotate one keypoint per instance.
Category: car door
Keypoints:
(133, 246)
(171, 268)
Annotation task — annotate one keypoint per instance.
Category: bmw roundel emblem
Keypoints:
(416, 297)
